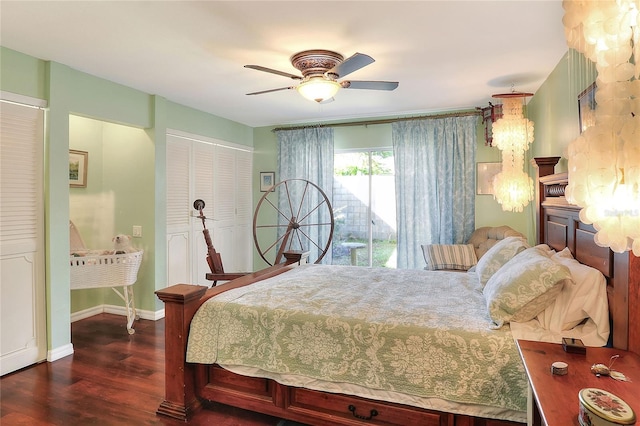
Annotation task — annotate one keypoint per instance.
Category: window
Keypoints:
(364, 209)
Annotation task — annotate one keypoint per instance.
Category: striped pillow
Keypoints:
(449, 256)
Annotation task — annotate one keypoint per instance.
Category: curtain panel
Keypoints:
(307, 154)
(435, 184)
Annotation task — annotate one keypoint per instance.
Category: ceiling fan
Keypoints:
(321, 70)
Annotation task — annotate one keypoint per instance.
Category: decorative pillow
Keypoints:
(524, 286)
(502, 252)
(449, 256)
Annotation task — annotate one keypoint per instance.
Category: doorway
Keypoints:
(364, 208)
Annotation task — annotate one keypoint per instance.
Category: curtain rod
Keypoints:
(383, 121)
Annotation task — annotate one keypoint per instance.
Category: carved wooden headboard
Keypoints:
(559, 226)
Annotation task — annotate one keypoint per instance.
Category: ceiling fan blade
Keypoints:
(272, 71)
(351, 64)
(271, 90)
(370, 85)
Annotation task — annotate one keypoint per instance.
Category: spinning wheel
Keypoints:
(293, 215)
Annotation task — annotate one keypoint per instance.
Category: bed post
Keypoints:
(180, 304)
(544, 166)
(626, 302)
(634, 303)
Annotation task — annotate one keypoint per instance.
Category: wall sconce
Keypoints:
(512, 134)
(604, 161)
(490, 115)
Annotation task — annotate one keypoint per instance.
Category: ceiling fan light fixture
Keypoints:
(318, 88)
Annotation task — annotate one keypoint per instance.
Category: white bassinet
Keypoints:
(94, 269)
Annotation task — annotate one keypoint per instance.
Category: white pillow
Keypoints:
(498, 255)
(449, 256)
(564, 253)
(585, 298)
(546, 249)
(524, 286)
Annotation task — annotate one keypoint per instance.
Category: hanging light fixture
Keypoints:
(604, 161)
(512, 134)
(318, 88)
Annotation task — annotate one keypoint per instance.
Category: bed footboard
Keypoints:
(181, 301)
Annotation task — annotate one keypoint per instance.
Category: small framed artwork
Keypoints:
(78, 162)
(484, 179)
(267, 180)
(587, 107)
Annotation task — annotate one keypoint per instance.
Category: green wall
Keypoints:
(554, 108)
(22, 74)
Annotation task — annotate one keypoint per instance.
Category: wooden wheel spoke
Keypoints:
(309, 238)
(280, 212)
(286, 186)
(298, 232)
(314, 209)
(308, 225)
(284, 225)
(304, 194)
(276, 241)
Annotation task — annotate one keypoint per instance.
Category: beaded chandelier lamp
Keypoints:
(512, 134)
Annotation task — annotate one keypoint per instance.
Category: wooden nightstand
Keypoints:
(556, 397)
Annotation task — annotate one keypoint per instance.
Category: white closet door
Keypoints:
(243, 253)
(203, 188)
(22, 280)
(220, 175)
(224, 211)
(233, 215)
(178, 220)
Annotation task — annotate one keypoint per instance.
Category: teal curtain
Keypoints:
(306, 154)
(435, 183)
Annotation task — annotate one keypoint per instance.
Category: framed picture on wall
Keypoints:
(78, 162)
(485, 175)
(587, 107)
(267, 180)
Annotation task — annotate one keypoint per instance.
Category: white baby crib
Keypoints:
(99, 268)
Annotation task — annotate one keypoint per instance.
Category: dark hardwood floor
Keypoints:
(112, 378)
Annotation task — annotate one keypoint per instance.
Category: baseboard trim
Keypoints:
(116, 310)
(61, 352)
(86, 313)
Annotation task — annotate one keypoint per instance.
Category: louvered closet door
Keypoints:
(244, 212)
(203, 188)
(224, 208)
(22, 280)
(178, 212)
(233, 214)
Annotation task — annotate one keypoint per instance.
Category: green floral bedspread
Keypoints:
(421, 333)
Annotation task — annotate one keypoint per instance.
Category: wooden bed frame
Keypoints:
(559, 226)
(188, 386)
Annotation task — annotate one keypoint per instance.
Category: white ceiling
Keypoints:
(447, 55)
